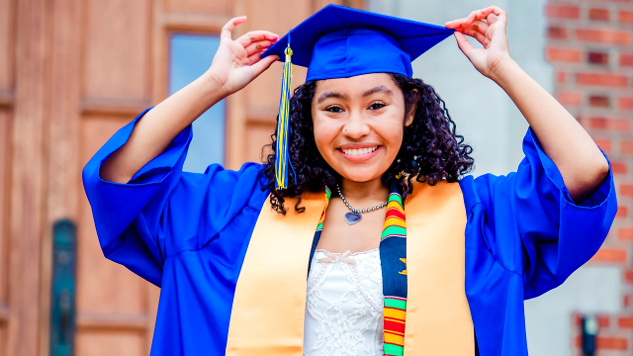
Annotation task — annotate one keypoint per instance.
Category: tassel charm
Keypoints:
(282, 160)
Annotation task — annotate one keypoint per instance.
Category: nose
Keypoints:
(356, 125)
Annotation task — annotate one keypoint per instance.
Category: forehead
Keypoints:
(356, 84)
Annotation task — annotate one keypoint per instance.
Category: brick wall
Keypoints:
(590, 46)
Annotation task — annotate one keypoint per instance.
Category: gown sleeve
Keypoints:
(532, 225)
(162, 210)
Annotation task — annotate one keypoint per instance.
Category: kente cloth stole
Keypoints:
(393, 259)
(428, 287)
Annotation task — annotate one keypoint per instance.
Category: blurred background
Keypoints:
(74, 71)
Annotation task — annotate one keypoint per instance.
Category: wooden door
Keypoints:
(72, 72)
(7, 80)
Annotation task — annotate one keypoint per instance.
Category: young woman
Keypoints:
(409, 255)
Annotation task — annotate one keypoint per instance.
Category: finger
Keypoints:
(258, 46)
(477, 26)
(483, 14)
(474, 16)
(475, 34)
(502, 19)
(228, 28)
(463, 44)
(264, 64)
(480, 26)
(255, 57)
(454, 23)
(492, 10)
(254, 36)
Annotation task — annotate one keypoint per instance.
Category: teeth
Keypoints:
(359, 151)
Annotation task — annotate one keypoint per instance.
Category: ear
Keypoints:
(411, 114)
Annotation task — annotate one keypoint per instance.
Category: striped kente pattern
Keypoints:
(395, 224)
(395, 312)
(395, 307)
(328, 194)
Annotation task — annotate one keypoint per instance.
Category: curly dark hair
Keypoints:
(431, 150)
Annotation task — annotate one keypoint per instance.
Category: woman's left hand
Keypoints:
(488, 26)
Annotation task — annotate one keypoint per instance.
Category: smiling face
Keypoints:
(359, 124)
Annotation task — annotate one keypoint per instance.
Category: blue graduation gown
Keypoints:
(188, 233)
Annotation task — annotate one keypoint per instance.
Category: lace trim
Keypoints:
(344, 306)
(360, 253)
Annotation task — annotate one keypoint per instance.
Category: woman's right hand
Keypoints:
(237, 62)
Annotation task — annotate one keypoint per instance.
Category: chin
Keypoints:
(359, 176)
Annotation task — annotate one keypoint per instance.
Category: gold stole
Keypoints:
(269, 304)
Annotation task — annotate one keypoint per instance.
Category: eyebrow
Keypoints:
(378, 89)
(333, 94)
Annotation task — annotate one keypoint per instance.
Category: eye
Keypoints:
(376, 106)
(334, 109)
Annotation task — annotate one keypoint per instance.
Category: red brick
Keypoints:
(604, 144)
(561, 77)
(603, 320)
(578, 341)
(599, 14)
(609, 255)
(569, 98)
(612, 343)
(604, 343)
(562, 55)
(626, 189)
(598, 58)
(563, 11)
(557, 33)
(602, 123)
(625, 103)
(626, 16)
(599, 101)
(626, 147)
(604, 36)
(626, 322)
(628, 276)
(625, 233)
(618, 167)
(626, 60)
(609, 80)
(622, 212)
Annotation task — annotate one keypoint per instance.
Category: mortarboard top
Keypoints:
(339, 42)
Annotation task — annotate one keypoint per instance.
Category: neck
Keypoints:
(370, 192)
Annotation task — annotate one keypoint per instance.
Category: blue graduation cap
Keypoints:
(340, 42)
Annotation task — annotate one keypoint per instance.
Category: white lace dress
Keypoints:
(344, 305)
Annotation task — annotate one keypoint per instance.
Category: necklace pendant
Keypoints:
(352, 218)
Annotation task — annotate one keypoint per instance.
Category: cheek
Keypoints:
(393, 132)
(324, 134)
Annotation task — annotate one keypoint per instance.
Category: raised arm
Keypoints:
(580, 162)
(235, 64)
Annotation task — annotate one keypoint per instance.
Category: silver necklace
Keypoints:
(354, 215)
